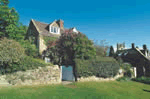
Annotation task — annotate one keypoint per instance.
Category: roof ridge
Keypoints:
(35, 25)
(141, 53)
(40, 22)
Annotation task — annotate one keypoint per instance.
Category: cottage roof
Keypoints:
(43, 28)
(133, 52)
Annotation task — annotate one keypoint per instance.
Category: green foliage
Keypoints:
(127, 68)
(123, 79)
(142, 79)
(11, 53)
(111, 53)
(9, 22)
(32, 63)
(53, 55)
(48, 39)
(8, 19)
(84, 68)
(101, 48)
(100, 67)
(71, 46)
(30, 49)
(12, 58)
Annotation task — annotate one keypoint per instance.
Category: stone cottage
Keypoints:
(139, 58)
(37, 30)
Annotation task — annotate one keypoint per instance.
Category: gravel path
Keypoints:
(66, 82)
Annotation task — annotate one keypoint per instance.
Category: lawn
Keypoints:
(80, 90)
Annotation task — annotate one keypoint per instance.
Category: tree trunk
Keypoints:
(75, 72)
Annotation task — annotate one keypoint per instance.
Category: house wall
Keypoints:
(32, 34)
(42, 45)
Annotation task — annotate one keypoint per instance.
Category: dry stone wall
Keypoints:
(93, 78)
(42, 75)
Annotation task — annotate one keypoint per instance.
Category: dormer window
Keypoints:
(54, 29)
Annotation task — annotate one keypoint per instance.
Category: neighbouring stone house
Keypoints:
(37, 30)
(139, 58)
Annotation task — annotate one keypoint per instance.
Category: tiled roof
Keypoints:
(44, 29)
(133, 52)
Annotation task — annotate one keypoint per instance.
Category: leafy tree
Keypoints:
(111, 53)
(8, 20)
(11, 53)
(70, 47)
(101, 48)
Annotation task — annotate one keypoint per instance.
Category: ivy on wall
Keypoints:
(48, 39)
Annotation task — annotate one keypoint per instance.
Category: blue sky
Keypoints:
(114, 20)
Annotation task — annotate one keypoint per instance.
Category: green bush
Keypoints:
(127, 68)
(124, 79)
(32, 63)
(30, 49)
(100, 67)
(47, 39)
(11, 53)
(84, 68)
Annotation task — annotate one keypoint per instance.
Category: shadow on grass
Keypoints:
(146, 90)
(141, 81)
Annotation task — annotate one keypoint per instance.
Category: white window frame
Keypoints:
(52, 28)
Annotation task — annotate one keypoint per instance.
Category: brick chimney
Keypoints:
(144, 47)
(133, 46)
(61, 23)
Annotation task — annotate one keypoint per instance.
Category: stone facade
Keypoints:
(42, 45)
(42, 75)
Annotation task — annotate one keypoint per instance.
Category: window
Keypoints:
(54, 29)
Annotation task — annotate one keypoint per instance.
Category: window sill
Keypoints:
(54, 33)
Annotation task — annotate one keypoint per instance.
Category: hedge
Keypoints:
(99, 67)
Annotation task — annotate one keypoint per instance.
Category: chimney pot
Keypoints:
(144, 47)
(133, 46)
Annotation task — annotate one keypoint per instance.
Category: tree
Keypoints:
(111, 53)
(101, 48)
(70, 47)
(8, 20)
(11, 53)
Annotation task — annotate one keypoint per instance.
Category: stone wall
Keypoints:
(42, 75)
(120, 74)
(93, 78)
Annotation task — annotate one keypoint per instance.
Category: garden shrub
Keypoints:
(100, 67)
(84, 68)
(123, 78)
(127, 68)
(48, 39)
(11, 53)
(30, 49)
(32, 63)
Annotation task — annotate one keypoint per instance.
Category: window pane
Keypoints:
(55, 30)
(52, 29)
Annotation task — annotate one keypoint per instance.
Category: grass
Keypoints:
(80, 90)
(145, 80)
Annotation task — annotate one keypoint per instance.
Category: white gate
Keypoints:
(67, 73)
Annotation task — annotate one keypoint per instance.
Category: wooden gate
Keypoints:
(67, 73)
